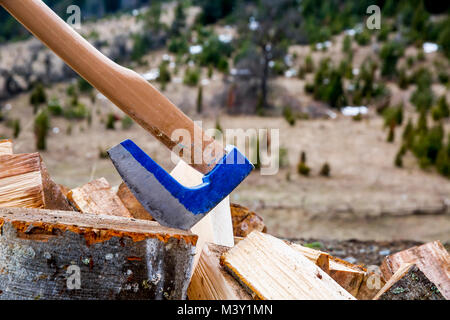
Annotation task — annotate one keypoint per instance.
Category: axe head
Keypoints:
(168, 201)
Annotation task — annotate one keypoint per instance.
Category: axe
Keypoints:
(169, 202)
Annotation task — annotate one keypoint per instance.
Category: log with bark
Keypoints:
(431, 258)
(409, 283)
(66, 255)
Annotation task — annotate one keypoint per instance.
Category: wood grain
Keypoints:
(431, 258)
(210, 281)
(6, 147)
(270, 269)
(21, 181)
(98, 197)
(409, 283)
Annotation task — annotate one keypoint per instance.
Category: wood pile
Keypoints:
(104, 234)
(86, 235)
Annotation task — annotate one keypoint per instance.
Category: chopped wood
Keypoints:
(245, 221)
(348, 275)
(132, 204)
(112, 257)
(6, 147)
(98, 197)
(270, 269)
(321, 259)
(65, 191)
(372, 283)
(21, 181)
(431, 258)
(53, 196)
(409, 283)
(210, 280)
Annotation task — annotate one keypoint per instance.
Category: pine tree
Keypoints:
(41, 127)
(200, 100)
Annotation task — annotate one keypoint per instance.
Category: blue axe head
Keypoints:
(168, 201)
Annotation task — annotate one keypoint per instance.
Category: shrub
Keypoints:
(178, 46)
(443, 162)
(303, 157)
(102, 153)
(127, 123)
(325, 170)
(78, 111)
(399, 157)
(41, 127)
(289, 115)
(191, 77)
(347, 44)
(408, 134)
(84, 86)
(393, 116)
(55, 108)
(110, 121)
(38, 97)
(309, 64)
(303, 169)
(391, 134)
(309, 88)
(389, 54)
(16, 128)
(403, 81)
(283, 157)
(200, 100)
(443, 107)
(422, 98)
(140, 47)
(164, 74)
(363, 38)
(443, 77)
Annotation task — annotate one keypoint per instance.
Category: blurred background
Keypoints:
(363, 114)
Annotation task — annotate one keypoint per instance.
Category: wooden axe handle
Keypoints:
(124, 87)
